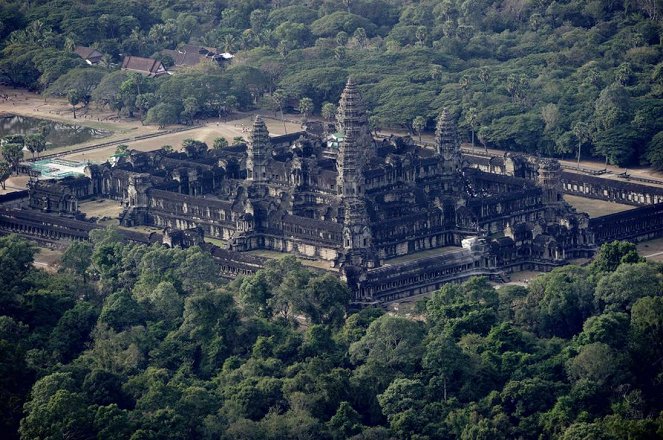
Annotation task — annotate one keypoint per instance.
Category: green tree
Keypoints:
(35, 143)
(596, 362)
(619, 290)
(611, 255)
(191, 108)
(220, 143)
(12, 150)
(144, 102)
(390, 346)
(56, 411)
(418, 124)
(194, 148)
(162, 114)
(611, 111)
(306, 107)
(77, 82)
(74, 97)
(581, 131)
(5, 173)
(345, 423)
(560, 301)
(655, 151)
(328, 111)
(403, 403)
(458, 310)
(279, 97)
(77, 258)
(646, 337)
(444, 359)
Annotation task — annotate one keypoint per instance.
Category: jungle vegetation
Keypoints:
(138, 342)
(549, 77)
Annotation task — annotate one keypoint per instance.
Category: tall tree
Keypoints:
(279, 97)
(581, 130)
(35, 143)
(418, 124)
(12, 150)
(5, 173)
(472, 119)
(74, 98)
(306, 107)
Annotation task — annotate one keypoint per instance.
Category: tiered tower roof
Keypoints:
(446, 134)
(351, 115)
(259, 137)
(259, 151)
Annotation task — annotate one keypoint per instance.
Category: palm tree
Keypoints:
(279, 97)
(581, 132)
(69, 43)
(472, 118)
(229, 42)
(305, 107)
(328, 111)
(418, 125)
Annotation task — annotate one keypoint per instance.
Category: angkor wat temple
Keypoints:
(390, 217)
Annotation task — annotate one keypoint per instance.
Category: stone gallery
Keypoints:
(390, 217)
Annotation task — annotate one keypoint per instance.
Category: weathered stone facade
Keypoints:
(390, 217)
(373, 211)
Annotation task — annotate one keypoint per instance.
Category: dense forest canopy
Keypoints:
(529, 75)
(135, 342)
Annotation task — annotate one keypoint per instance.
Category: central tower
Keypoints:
(355, 148)
(447, 142)
(356, 142)
(258, 152)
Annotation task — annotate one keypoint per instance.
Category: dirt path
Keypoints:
(27, 103)
(15, 183)
(207, 133)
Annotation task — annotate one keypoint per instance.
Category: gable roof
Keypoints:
(146, 66)
(89, 54)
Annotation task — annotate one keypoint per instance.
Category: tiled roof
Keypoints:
(148, 66)
(87, 53)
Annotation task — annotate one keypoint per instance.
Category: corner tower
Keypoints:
(550, 180)
(258, 152)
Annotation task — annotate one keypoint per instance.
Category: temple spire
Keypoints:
(356, 141)
(351, 115)
(354, 149)
(258, 151)
(446, 134)
(447, 145)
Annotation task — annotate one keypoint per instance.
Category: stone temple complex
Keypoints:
(390, 217)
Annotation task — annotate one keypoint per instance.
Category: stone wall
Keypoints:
(638, 224)
(575, 183)
(612, 190)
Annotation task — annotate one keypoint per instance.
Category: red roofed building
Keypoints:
(145, 66)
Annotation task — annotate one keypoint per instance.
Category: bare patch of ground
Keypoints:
(48, 259)
(596, 208)
(652, 250)
(15, 183)
(422, 254)
(110, 209)
(215, 241)
(520, 278)
(25, 103)
(319, 264)
(207, 133)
